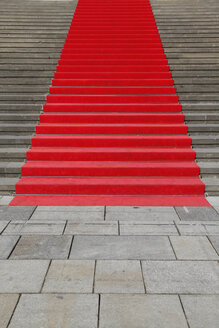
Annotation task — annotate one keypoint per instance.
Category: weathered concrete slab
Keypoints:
(70, 277)
(181, 277)
(193, 248)
(140, 311)
(7, 305)
(22, 276)
(118, 277)
(121, 247)
(56, 310)
(201, 311)
(42, 247)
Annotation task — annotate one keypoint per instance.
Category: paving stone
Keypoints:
(213, 200)
(201, 311)
(76, 216)
(56, 311)
(173, 277)
(215, 242)
(7, 305)
(3, 224)
(118, 277)
(121, 247)
(7, 244)
(34, 227)
(193, 248)
(42, 247)
(144, 213)
(138, 228)
(194, 228)
(141, 311)
(216, 208)
(70, 277)
(197, 213)
(22, 276)
(92, 228)
(5, 200)
(16, 212)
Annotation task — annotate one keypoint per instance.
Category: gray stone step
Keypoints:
(209, 168)
(211, 185)
(10, 169)
(203, 128)
(7, 185)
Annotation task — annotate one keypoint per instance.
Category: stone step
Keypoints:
(7, 185)
(208, 168)
(207, 154)
(203, 128)
(211, 185)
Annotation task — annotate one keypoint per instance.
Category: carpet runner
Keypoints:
(112, 131)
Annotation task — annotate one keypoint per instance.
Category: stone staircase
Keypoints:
(189, 32)
(32, 35)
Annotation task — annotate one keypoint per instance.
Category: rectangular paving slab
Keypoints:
(35, 227)
(193, 248)
(22, 276)
(118, 277)
(56, 311)
(121, 247)
(201, 310)
(139, 228)
(7, 305)
(197, 213)
(42, 247)
(141, 311)
(196, 228)
(144, 213)
(7, 244)
(175, 277)
(215, 242)
(76, 216)
(70, 277)
(16, 212)
(91, 228)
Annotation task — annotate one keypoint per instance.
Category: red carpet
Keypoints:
(112, 131)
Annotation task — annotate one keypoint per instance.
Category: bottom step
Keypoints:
(109, 201)
(110, 186)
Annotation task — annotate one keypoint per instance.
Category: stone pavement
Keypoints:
(113, 267)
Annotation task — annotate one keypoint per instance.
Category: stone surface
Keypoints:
(173, 277)
(16, 212)
(195, 228)
(121, 247)
(118, 277)
(7, 305)
(92, 228)
(201, 311)
(141, 311)
(215, 242)
(3, 224)
(138, 228)
(5, 200)
(213, 200)
(42, 247)
(70, 277)
(22, 276)
(7, 244)
(35, 227)
(56, 311)
(76, 216)
(197, 213)
(144, 213)
(193, 248)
